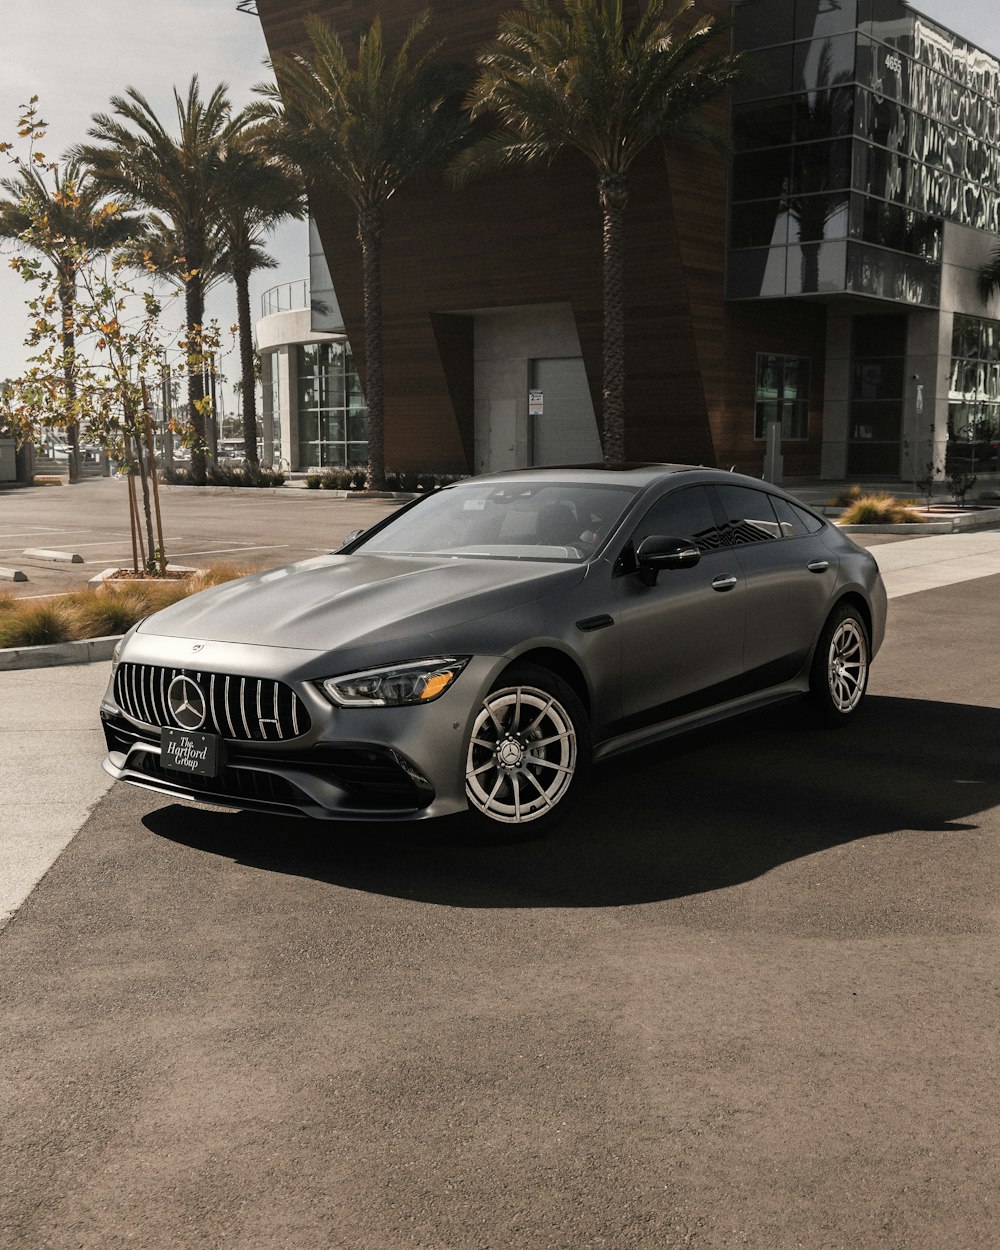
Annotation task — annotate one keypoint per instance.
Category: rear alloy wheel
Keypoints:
(840, 669)
(528, 752)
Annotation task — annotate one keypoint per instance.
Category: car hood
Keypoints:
(340, 601)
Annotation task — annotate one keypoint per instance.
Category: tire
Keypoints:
(839, 675)
(527, 757)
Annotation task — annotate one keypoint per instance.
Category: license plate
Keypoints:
(184, 751)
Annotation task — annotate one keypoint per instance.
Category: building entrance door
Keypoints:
(565, 430)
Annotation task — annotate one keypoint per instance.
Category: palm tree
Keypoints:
(136, 158)
(255, 191)
(65, 222)
(579, 77)
(363, 128)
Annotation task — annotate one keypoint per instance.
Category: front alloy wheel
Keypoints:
(529, 745)
(840, 670)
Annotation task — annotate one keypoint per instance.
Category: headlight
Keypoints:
(116, 655)
(397, 685)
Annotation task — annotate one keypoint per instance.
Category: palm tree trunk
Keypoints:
(614, 198)
(370, 238)
(194, 312)
(241, 277)
(67, 304)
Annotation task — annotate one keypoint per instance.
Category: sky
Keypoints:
(75, 54)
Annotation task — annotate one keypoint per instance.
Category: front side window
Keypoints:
(782, 395)
(685, 513)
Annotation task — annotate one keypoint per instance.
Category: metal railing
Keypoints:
(285, 297)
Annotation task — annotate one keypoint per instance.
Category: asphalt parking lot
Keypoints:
(748, 999)
(202, 527)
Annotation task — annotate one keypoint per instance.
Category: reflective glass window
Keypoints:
(813, 218)
(762, 125)
(761, 175)
(755, 273)
(758, 23)
(819, 19)
(823, 114)
(750, 518)
(684, 513)
(824, 63)
(893, 276)
(794, 521)
(328, 391)
(767, 73)
(877, 378)
(816, 267)
(782, 394)
(759, 225)
(821, 166)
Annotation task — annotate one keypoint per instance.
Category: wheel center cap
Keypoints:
(509, 753)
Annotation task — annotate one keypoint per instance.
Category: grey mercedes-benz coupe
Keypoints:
(478, 649)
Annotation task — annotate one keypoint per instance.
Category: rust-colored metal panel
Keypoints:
(522, 239)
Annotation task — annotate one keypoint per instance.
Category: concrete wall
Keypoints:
(506, 341)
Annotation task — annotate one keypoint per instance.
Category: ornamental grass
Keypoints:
(880, 509)
(98, 613)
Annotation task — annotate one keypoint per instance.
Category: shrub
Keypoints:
(34, 624)
(880, 509)
(243, 475)
(97, 613)
(226, 475)
(847, 497)
(101, 612)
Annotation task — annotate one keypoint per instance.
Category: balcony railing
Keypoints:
(285, 297)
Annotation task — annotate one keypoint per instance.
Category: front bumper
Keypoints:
(354, 764)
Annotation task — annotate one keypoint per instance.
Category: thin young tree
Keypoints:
(361, 124)
(578, 76)
(57, 211)
(135, 158)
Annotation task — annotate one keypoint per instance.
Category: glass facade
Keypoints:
(782, 395)
(860, 127)
(878, 371)
(974, 397)
(333, 419)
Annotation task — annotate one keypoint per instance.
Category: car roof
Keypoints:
(634, 475)
(637, 476)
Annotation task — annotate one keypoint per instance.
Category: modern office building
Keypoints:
(820, 282)
(314, 414)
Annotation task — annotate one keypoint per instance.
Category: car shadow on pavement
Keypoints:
(688, 816)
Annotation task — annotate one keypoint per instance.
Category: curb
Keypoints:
(86, 651)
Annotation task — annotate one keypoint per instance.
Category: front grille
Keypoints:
(241, 709)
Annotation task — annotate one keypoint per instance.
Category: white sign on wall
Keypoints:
(536, 403)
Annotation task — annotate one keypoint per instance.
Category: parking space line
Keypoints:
(235, 551)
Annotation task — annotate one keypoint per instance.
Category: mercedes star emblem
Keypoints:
(187, 703)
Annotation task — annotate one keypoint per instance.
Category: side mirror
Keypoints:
(658, 552)
(349, 538)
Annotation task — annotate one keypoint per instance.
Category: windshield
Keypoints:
(563, 521)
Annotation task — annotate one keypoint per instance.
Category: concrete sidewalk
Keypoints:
(51, 747)
(51, 744)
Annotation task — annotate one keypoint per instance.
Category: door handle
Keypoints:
(818, 566)
(724, 582)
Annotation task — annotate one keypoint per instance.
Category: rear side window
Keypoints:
(795, 521)
(750, 518)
